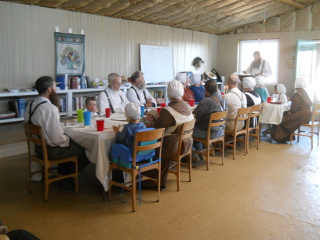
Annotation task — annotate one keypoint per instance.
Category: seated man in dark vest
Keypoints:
(138, 92)
(112, 97)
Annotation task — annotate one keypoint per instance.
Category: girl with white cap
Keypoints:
(260, 88)
(184, 79)
(298, 114)
(281, 90)
(126, 136)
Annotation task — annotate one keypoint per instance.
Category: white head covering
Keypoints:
(196, 79)
(281, 88)
(154, 113)
(132, 111)
(182, 77)
(300, 83)
(175, 89)
(249, 82)
(260, 81)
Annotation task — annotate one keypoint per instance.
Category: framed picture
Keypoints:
(70, 53)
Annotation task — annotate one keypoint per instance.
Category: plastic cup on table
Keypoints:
(222, 93)
(163, 104)
(159, 109)
(87, 118)
(80, 115)
(100, 125)
(191, 102)
(269, 99)
(142, 108)
(108, 112)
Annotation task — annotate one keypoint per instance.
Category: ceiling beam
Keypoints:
(293, 3)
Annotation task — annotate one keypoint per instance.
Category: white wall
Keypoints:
(112, 45)
(228, 53)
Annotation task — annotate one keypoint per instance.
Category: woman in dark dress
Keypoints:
(298, 114)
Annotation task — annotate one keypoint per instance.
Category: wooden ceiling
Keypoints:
(211, 16)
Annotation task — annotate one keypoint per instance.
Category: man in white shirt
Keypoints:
(138, 92)
(235, 99)
(112, 97)
(259, 66)
(44, 113)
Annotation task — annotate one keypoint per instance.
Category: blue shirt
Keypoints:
(126, 136)
(198, 92)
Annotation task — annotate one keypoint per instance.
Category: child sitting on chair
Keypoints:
(91, 105)
(126, 136)
(150, 118)
(281, 90)
(197, 88)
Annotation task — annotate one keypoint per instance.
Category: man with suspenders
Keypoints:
(112, 97)
(235, 99)
(43, 113)
(138, 93)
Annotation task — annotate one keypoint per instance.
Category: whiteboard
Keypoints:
(156, 63)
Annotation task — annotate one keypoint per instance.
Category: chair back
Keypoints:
(35, 135)
(217, 119)
(242, 115)
(186, 131)
(315, 112)
(254, 113)
(145, 141)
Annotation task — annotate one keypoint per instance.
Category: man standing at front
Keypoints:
(112, 97)
(43, 112)
(259, 66)
(138, 92)
(235, 99)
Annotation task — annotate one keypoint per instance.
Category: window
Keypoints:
(269, 50)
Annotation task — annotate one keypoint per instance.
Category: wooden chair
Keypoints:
(141, 160)
(35, 135)
(185, 132)
(312, 125)
(217, 119)
(242, 115)
(254, 131)
(261, 123)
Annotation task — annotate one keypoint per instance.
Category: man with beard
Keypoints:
(259, 66)
(138, 93)
(112, 97)
(44, 113)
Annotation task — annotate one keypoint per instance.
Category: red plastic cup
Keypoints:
(222, 93)
(108, 112)
(159, 109)
(191, 102)
(100, 125)
(163, 104)
(269, 99)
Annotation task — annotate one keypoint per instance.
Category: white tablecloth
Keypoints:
(97, 145)
(273, 113)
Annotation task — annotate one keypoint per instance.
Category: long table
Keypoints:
(273, 113)
(97, 144)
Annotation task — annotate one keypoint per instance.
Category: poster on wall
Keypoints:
(70, 53)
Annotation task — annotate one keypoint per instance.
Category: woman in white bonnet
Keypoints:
(261, 89)
(298, 114)
(184, 79)
(281, 90)
(171, 118)
(253, 98)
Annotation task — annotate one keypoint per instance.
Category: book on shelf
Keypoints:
(63, 105)
(89, 83)
(17, 106)
(7, 114)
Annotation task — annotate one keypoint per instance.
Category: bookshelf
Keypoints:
(67, 94)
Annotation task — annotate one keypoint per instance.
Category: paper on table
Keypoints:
(118, 116)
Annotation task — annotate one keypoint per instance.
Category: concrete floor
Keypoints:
(272, 193)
